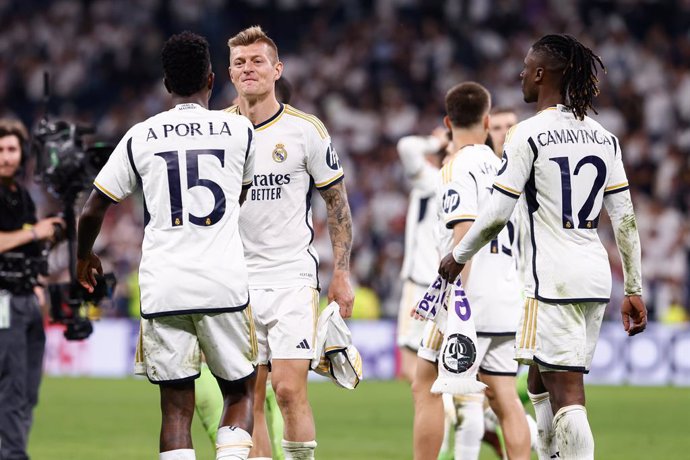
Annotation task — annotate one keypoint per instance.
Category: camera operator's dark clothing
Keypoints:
(21, 363)
(22, 338)
(17, 210)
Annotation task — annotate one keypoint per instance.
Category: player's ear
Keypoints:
(211, 79)
(539, 74)
(278, 71)
(446, 123)
(485, 121)
(167, 85)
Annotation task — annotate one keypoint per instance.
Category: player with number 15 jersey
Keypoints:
(192, 164)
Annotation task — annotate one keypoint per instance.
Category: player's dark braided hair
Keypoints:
(579, 65)
(186, 63)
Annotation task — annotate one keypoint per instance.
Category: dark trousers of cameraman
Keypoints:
(21, 365)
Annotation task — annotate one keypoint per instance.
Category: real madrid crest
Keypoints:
(279, 153)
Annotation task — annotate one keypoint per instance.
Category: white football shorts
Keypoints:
(170, 347)
(497, 355)
(285, 321)
(410, 330)
(559, 337)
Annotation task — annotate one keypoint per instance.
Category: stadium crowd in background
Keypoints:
(374, 72)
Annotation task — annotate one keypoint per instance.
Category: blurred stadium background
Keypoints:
(373, 71)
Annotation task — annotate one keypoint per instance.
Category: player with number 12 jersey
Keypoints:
(566, 167)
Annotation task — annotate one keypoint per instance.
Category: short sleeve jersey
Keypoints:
(564, 167)
(493, 287)
(294, 154)
(192, 164)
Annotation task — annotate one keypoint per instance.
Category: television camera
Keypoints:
(67, 164)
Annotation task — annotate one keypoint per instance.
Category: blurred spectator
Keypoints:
(373, 72)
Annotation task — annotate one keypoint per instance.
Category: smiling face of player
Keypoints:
(254, 70)
(10, 157)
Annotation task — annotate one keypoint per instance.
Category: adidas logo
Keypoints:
(304, 345)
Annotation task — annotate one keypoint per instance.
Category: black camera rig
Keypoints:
(67, 164)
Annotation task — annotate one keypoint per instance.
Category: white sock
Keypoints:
(573, 434)
(232, 443)
(259, 458)
(469, 430)
(490, 419)
(178, 454)
(533, 432)
(295, 450)
(546, 446)
(448, 429)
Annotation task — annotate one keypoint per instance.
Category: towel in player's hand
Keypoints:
(457, 361)
(335, 356)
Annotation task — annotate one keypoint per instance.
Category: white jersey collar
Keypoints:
(187, 106)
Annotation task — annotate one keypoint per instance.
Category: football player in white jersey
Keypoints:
(294, 155)
(421, 158)
(195, 167)
(568, 166)
(492, 285)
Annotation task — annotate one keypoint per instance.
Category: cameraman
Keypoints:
(22, 338)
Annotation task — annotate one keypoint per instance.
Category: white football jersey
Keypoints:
(192, 164)
(493, 287)
(293, 154)
(565, 167)
(420, 264)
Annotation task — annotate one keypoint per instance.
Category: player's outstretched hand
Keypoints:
(449, 268)
(85, 271)
(634, 314)
(341, 291)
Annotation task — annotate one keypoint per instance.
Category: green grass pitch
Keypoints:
(79, 418)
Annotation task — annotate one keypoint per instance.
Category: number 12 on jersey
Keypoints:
(172, 160)
(567, 193)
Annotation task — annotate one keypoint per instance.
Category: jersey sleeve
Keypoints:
(459, 194)
(250, 155)
(617, 181)
(118, 178)
(518, 159)
(323, 164)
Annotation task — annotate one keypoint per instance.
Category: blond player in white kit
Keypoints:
(194, 167)
(294, 156)
(567, 166)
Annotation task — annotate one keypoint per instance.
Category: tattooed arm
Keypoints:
(340, 229)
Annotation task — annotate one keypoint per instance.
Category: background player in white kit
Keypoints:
(294, 154)
(421, 158)
(194, 167)
(568, 166)
(492, 285)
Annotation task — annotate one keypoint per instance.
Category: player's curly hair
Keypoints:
(186, 63)
(579, 66)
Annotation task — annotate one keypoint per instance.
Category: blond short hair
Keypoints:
(252, 35)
